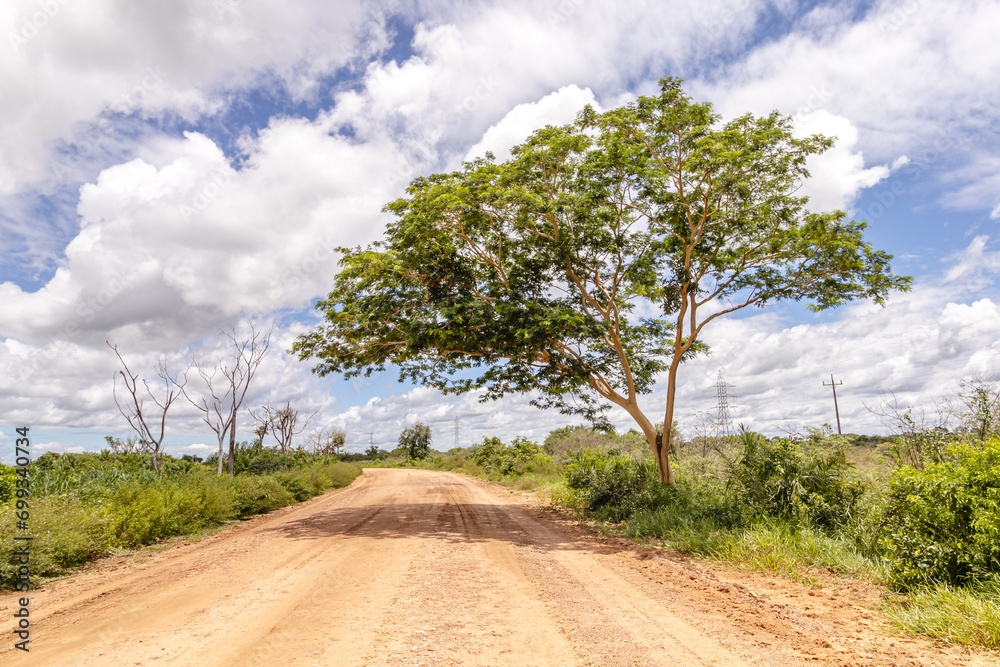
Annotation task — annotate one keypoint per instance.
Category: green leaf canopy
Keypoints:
(580, 268)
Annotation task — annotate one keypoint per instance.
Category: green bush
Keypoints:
(83, 505)
(516, 459)
(142, 514)
(942, 523)
(293, 484)
(777, 479)
(217, 494)
(89, 476)
(315, 479)
(264, 466)
(767, 480)
(259, 495)
(342, 474)
(614, 486)
(8, 484)
(67, 534)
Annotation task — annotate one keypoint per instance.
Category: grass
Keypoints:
(88, 508)
(769, 545)
(790, 551)
(968, 616)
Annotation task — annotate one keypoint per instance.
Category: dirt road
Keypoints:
(410, 567)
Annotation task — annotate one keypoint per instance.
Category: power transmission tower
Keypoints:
(457, 429)
(371, 438)
(725, 421)
(836, 410)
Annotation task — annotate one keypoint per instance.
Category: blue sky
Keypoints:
(176, 169)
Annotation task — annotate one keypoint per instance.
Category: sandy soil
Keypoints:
(412, 567)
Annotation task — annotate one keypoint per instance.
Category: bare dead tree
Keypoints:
(921, 438)
(138, 412)
(247, 357)
(216, 411)
(227, 384)
(327, 441)
(980, 396)
(706, 429)
(281, 423)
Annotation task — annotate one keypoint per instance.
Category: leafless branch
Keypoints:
(137, 412)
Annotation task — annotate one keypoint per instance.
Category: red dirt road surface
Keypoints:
(414, 567)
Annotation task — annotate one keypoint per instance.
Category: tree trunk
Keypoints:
(222, 441)
(655, 443)
(662, 444)
(232, 445)
(663, 458)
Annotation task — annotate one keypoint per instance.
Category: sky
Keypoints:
(172, 170)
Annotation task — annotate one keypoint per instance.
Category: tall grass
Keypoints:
(969, 615)
(87, 506)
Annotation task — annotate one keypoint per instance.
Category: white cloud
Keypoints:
(57, 447)
(914, 78)
(186, 239)
(974, 267)
(838, 175)
(558, 108)
(975, 186)
(89, 58)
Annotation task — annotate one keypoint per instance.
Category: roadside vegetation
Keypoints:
(918, 511)
(85, 506)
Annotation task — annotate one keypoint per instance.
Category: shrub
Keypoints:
(767, 480)
(259, 495)
(67, 534)
(942, 523)
(82, 505)
(613, 485)
(516, 459)
(143, 514)
(217, 494)
(315, 479)
(342, 474)
(8, 482)
(776, 479)
(89, 476)
(293, 484)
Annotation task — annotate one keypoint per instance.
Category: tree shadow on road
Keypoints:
(447, 520)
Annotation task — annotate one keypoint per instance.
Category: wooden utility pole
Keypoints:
(836, 410)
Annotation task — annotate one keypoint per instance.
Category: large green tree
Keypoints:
(416, 440)
(533, 275)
